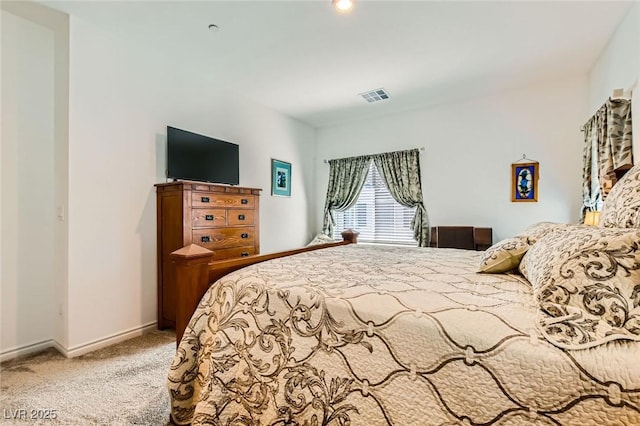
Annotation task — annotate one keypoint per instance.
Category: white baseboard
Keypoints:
(78, 349)
(109, 340)
(27, 349)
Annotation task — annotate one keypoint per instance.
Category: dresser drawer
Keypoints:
(206, 218)
(215, 199)
(217, 238)
(230, 253)
(241, 217)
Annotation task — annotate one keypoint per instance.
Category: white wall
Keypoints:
(618, 67)
(28, 291)
(470, 146)
(121, 100)
(93, 127)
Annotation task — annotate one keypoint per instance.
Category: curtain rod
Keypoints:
(420, 149)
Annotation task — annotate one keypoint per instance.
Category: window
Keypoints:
(376, 215)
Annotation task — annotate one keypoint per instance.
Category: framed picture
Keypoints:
(280, 178)
(524, 182)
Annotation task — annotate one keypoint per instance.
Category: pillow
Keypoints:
(321, 239)
(503, 256)
(586, 283)
(621, 208)
(538, 230)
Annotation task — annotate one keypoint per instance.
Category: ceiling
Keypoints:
(308, 61)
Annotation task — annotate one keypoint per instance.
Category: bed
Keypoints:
(381, 335)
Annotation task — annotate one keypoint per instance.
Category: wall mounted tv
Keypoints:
(191, 156)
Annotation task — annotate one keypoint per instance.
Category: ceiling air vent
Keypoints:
(375, 95)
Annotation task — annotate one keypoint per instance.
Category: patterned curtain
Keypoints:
(615, 147)
(346, 178)
(591, 193)
(400, 172)
(608, 151)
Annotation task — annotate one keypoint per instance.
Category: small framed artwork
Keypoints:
(280, 178)
(524, 182)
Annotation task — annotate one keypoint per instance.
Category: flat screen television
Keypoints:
(191, 156)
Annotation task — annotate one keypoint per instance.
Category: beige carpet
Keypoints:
(124, 384)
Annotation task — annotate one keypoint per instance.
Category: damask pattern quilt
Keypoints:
(382, 335)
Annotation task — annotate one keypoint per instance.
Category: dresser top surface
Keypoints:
(204, 186)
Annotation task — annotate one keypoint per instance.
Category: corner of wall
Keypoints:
(57, 45)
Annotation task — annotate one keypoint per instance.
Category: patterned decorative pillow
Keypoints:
(621, 208)
(503, 256)
(321, 239)
(586, 282)
(538, 230)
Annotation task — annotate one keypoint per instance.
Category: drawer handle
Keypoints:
(208, 217)
(240, 217)
(244, 254)
(205, 239)
(204, 199)
(244, 201)
(244, 235)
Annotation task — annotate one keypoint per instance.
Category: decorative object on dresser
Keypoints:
(223, 219)
(462, 237)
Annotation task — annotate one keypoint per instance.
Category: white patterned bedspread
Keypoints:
(379, 335)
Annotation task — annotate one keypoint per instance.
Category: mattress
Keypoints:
(383, 335)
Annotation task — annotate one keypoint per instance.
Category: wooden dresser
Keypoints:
(224, 219)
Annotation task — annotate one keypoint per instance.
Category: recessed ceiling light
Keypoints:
(213, 27)
(343, 5)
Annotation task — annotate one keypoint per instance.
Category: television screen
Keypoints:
(191, 156)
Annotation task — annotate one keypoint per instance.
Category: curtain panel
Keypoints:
(346, 178)
(400, 172)
(615, 149)
(591, 193)
(608, 149)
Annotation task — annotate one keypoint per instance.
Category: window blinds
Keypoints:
(376, 215)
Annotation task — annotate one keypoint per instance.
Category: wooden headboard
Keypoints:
(195, 272)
